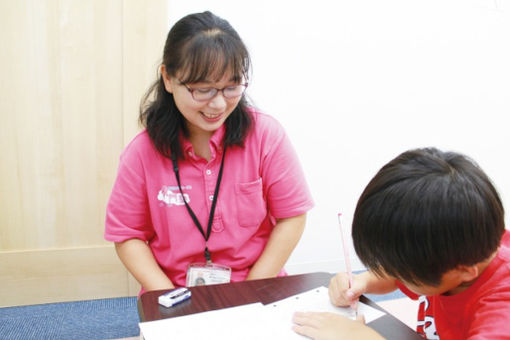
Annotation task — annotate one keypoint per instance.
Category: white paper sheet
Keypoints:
(228, 323)
(317, 300)
(252, 321)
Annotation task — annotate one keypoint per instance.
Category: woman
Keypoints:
(211, 188)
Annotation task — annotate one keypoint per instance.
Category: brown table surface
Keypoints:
(207, 298)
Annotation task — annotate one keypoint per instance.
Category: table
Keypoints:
(207, 298)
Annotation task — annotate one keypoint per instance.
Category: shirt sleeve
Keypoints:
(490, 318)
(127, 212)
(284, 182)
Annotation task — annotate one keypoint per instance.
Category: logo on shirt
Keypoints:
(171, 195)
(426, 325)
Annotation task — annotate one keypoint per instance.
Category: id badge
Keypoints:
(200, 274)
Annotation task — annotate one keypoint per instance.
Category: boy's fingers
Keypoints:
(360, 318)
(306, 324)
(309, 332)
(337, 287)
(333, 292)
(357, 288)
(302, 318)
(352, 296)
(354, 304)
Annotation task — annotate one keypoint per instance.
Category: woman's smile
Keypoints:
(212, 117)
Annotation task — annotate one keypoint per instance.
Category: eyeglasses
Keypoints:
(202, 94)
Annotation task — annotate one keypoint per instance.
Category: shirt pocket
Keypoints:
(251, 206)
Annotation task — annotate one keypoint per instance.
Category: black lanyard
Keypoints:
(213, 206)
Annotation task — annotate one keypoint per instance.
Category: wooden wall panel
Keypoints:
(143, 47)
(73, 73)
(67, 274)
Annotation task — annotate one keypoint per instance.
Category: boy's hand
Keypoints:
(325, 326)
(339, 292)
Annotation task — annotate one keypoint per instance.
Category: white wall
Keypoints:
(357, 82)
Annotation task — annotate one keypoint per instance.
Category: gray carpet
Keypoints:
(92, 319)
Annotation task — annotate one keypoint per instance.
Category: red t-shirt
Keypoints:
(480, 312)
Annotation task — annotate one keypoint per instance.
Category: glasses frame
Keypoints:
(222, 90)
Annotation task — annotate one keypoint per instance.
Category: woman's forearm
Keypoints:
(281, 243)
(136, 255)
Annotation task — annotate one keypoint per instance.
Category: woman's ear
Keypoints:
(167, 80)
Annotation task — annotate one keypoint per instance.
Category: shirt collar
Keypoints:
(216, 143)
(217, 138)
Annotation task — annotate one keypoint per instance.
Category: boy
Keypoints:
(432, 224)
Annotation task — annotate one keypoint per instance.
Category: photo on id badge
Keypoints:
(200, 274)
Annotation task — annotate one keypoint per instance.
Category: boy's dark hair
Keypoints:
(424, 213)
(201, 47)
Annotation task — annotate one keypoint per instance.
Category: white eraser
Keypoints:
(174, 297)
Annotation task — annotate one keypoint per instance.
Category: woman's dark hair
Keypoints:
(201, 47)
(427, 212)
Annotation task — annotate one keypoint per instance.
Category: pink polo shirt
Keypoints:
(261, 181)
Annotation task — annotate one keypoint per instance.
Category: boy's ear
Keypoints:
(468, 273)
(167, 80)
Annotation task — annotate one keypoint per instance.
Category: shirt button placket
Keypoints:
(209, 186)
